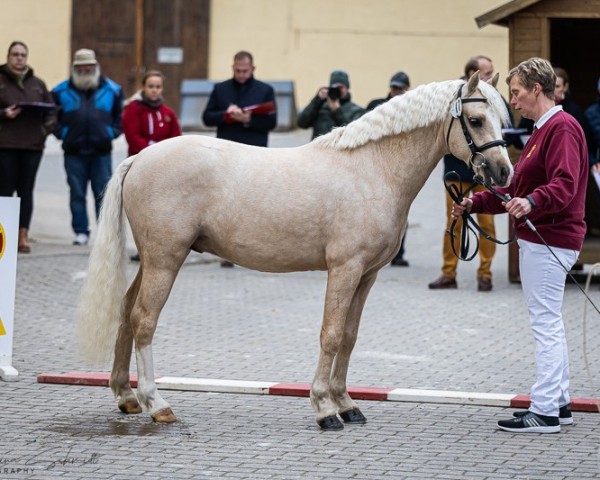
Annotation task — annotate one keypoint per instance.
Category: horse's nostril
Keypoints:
(504, 175)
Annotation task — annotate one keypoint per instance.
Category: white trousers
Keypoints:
(543, 282)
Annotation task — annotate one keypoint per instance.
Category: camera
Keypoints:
(334, 93)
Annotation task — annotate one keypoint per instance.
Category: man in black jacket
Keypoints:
(227, 107)
(487, 249)
(242, 108)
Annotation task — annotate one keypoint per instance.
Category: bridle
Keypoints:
(456, 110)
(469, 225)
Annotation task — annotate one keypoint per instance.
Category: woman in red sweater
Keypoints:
(549, 188)
(147, 120)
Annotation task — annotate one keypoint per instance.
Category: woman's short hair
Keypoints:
(532, 71)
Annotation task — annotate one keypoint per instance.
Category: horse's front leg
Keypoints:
(347, 408)
(119, 377)
(341, 285)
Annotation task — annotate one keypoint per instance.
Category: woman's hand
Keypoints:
(518, 207)
(459, 208)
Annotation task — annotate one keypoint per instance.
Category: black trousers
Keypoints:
(18, 169)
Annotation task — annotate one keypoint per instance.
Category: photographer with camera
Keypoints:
(331, 107)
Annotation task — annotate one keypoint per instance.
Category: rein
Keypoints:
(469, 225)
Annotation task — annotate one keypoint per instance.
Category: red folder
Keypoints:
(265, 108)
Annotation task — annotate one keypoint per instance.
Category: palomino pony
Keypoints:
(339, 203)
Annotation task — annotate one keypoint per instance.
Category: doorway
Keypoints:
(574, 47)
(132, 37)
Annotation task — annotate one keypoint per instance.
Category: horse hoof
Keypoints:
(130, 406)
(353, 416)
(331, 423)
(165, 415)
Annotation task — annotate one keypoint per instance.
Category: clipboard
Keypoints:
(36, 106)
(265, 108)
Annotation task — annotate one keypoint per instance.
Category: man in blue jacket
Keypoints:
(89, 119)
(227, 108)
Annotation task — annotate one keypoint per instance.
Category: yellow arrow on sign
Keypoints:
(2, 330)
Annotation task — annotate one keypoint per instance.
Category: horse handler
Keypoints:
(549, 188)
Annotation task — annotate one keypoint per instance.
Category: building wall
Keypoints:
(304, 40)
(45, 27)
(301, 40)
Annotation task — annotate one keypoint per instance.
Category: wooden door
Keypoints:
(133, 36)
(108, 28)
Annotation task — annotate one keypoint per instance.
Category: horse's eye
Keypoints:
(476, 122)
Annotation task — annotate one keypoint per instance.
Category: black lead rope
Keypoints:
(506, 198)
(470, 228)
(457, 196)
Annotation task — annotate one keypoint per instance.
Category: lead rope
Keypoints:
(584, 333)
(469, 226)
(506, 198)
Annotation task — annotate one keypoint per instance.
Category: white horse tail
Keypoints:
(101, 302)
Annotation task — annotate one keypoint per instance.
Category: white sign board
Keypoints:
(170, 55)
(9, 234)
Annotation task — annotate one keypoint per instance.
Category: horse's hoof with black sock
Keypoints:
(331, 423)
(353, 416)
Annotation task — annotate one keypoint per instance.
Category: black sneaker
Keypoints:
(564, 415)
(530, 423)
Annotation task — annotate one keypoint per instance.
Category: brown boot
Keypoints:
(443, 282)
(24, 241)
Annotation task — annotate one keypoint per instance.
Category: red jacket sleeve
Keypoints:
(133, 129)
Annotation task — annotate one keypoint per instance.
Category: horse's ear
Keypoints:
(473, 81)
(494, 80)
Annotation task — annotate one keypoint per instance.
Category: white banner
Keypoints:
(9, 236)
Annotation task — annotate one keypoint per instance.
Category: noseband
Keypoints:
(456, 110)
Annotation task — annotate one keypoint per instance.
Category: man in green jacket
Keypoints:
(331, 107)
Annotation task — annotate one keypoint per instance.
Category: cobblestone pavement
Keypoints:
(243, 325)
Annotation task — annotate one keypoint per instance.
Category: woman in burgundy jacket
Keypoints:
(548, 188)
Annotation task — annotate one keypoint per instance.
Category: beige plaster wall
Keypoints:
(45, 27)
(304, 40)
(301, 40)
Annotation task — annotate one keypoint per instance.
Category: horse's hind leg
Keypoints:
(119, 378)
(347, 408)
(155, 286)
(341, 285)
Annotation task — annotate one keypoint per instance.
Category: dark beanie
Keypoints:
(339, 76)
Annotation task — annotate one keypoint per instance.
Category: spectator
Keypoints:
(399, 85)
(549, 188)
(147, 120)
(242, 108)
(227, 107)
(487, 249)
(592, 115)
(89, 119)
(27, 116)
(331, 107)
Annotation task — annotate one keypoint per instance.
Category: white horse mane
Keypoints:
(417, 108)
